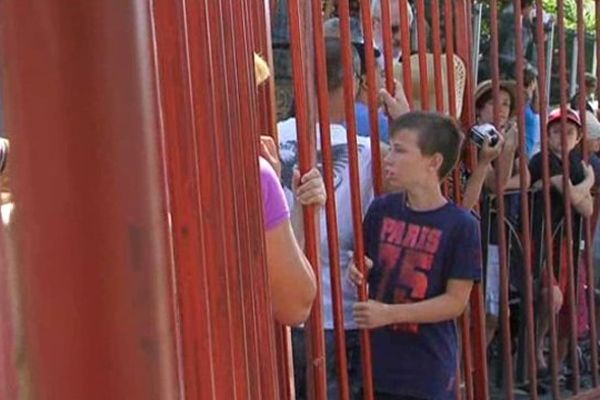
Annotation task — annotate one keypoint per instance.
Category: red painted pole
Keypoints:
(359, 253)
(10, 332)
(406, 50)
(373, 93)
(571, 276)
(463, 49)
(300, 30)
(422, 44)
(386, 28)
(529, 337)
(330, 207)
(588, 260)
(260, 24)
(504, 278)
(548, 241)
(92, 252)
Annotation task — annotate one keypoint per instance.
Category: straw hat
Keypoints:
(460, 74)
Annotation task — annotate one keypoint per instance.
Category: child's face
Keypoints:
(486, 114)
(555, 141)
(405, 166)
(594, 145)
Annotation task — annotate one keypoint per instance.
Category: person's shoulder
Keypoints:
(267, 173)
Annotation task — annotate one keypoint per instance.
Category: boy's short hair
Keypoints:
(437, 134)
(335, 64)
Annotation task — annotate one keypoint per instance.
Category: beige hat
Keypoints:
(508, 85)
(459, 79)
(592, 125)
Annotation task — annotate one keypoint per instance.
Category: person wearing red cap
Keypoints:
(581, 181)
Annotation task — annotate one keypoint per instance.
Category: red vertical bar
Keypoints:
(504, 279)
(92, 255)
(465, 325)
(587, 228)
(285, 364)
(259, 323)
(562, 54)
(330, 207)
(344, 12)
(422, 40)
(437, 55)
(449, 25)
(267, 125)
(169, 29)
(463, 48)
(367, 23)
(589, 238)
(305, 128)
(548, 257)
(464, 320)
(261, 25)
(386, 28)
(525, 222)
(406, 50)
(9, 331)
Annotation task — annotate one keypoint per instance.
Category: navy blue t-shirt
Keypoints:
(415, 254)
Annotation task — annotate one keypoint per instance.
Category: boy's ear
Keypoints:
(436, 162)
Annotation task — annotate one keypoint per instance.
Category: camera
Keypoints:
(479, 133)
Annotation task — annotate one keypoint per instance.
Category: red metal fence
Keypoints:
(135, 263)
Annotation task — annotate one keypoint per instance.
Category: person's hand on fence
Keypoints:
(309, 188)
(371, 314)
(397, 104)
(355, 275)
(268, 151)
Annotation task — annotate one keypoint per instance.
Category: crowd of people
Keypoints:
(424, 250)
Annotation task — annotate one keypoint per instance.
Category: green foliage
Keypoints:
(570, 6)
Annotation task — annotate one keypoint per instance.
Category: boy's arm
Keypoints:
(373, 314)
(580, 194)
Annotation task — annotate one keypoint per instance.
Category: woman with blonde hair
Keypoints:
(292, 280)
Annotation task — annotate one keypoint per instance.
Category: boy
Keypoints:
(581, 181)
(426, 254)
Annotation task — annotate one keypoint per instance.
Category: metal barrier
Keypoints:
(518, 367)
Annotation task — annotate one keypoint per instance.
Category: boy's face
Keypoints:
(405, 166)
(554, 137)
